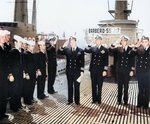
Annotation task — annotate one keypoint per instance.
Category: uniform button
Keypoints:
(99, 60)
(99, 56)
(140, 66)
(70, 60)
(95, 55)
(141, 57)
(122, 57)
(74, 67)
(70, 63)
(121, 61)
(126, 65)
(146, 58)
(75, 64)
(70, 66)
(140, 61)
(75, 60)
(94, 59)
(93, 63)
(126, 61)
(145, 62)
(121, 64)
(145, 66)
(127, 58)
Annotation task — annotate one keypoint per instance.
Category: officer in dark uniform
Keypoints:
(15, 69)
(3, 77)
(52, 63)
(143, 73)
(24, 45)
(98, 66)
(41, 70)
(124, 67)
(74, 69)
(29, 65)
(7, 45)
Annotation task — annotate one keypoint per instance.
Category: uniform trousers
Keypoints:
(123, 80)
(97, 83)
(143, 86)
(41, 84)
(28, 87)
(72, 81)
(3, 93)
(15, 90)
(51, 78)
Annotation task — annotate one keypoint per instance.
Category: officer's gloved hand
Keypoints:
(11, 77)
(24, 75)
(131, 73)
(80, 78)
(39, 72)
(104, 73)
(27, 76)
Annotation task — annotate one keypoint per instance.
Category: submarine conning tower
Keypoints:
(120, 25)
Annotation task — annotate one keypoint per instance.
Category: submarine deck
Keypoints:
(54, 110)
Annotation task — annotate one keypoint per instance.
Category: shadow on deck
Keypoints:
(55, 111)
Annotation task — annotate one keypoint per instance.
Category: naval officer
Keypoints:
(3, 77)
(124, 66)
(29, 65)
(41, 70)
(52, 63)
(7, 45)
(98, 67)
(74, 69)
(15, 69)
(143, 73)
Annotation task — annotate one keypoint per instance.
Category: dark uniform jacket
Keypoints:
(125, 59)
(99, 58)
(29, 62)
(75, 60)
(41, 60)
(14, 60)
(7, 47)
(143, 61)
(51, 54)
(3, 82)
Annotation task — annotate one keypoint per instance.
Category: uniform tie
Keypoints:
(124, 49)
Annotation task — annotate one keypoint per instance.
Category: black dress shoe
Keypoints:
(34, 101)
(125, 103)
(145, 107)
(99, 102)
(138, 106)
(118, 103)
(93, 102)
(22, 107)
(68, 103)
(45, 97)
(52, 92)
(78, 104)
(5, 116)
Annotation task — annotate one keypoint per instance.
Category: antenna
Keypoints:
(131, 5)
(108, 5)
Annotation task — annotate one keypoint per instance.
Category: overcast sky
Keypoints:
(72, 16)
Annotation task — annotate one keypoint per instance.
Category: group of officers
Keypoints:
(24, 63)
(129, 59)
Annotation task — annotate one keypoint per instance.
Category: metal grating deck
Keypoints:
(55, 111)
